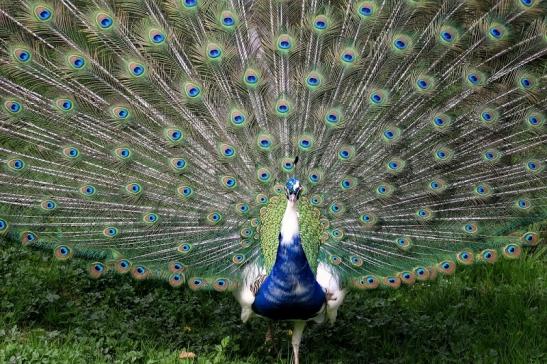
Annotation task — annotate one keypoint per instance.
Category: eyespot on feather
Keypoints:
(512, 251)
(140, 272)
(123, 266)
(96, 270)
(465, 257)
(366, 282)
(421, 273)
(28, 238)
(104, 21)
(392, 282)
(408, 278)
(488, 256)
(446, 267)
(63, 252)
(176, 280)
(185, 192)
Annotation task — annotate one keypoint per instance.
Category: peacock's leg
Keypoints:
(297, 338)
(269, 334)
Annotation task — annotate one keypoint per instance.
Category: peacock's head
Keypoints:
(293, 189)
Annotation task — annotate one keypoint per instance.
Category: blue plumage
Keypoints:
(291, 291)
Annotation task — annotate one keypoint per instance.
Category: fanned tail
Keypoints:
(155, 137)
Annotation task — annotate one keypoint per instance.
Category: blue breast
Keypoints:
(290, 292)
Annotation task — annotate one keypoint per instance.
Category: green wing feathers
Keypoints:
(154, 137)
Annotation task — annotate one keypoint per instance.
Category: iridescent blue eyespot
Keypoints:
(533, 166)
(110, 232)
(264, 142)
(42, 13)
(523, 204)
(16, 164)
(122, 153)
(71, 152)
(190, 3)
(28, 237)
(137, 69)
(48, 205)
(470, 228)
(320, 23)
(346, 184)
(78, 62)
(13, 106)
(184, 248)
(365, 11)
(64, 104)
(495, 32)
(104, 21)
(238, 119)
(399, 44)
(229, 182)
(22, 55)
(156, 36)
(422, 84)
(525, 83)
(214, 217)
(3, 225)
(375, 98)
(134, 188)
(88, 190)
(63, 252)
(243, 208)
(313, 81)
(348, 56)
(150, 218)
(336, 208)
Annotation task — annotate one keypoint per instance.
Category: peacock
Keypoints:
(287, 152)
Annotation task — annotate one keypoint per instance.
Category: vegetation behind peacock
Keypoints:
(155, 138)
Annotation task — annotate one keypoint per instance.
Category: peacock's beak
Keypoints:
(293, 197)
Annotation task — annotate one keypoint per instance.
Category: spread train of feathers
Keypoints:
(154, 138)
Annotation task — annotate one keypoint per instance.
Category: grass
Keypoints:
(51, 312)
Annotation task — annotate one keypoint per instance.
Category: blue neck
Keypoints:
(290, 292)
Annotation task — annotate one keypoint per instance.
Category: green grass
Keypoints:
(51, 312)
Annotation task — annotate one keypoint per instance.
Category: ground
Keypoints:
(52, 312)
